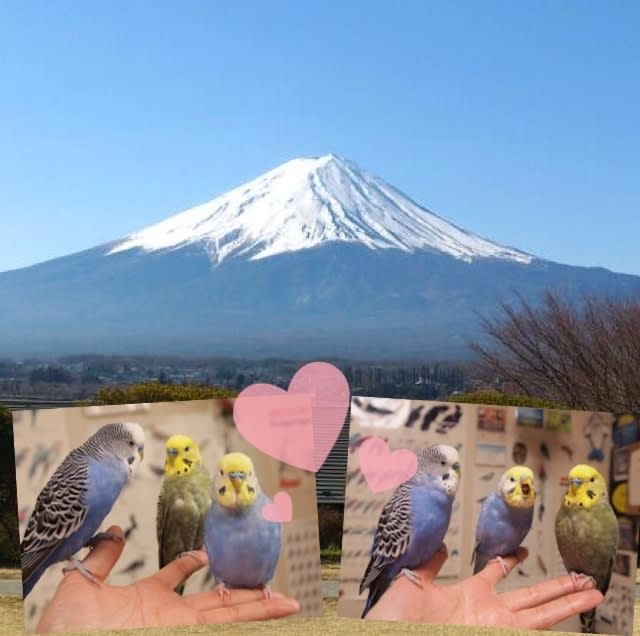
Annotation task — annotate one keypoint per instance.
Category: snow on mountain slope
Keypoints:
(309, 201)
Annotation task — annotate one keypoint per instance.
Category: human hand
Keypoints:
(80, 604)
(474, 601)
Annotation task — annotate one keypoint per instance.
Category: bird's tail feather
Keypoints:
(588, 622)
(375, 592)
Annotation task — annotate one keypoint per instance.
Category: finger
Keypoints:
(432, 568)
(212, 600)
(549, 614)
(181, 568)
(104, 555)
(493, 573)
(535, 595)
(254, 611)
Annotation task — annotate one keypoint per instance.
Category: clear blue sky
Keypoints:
(517, 120)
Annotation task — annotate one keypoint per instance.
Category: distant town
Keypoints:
(80, 377)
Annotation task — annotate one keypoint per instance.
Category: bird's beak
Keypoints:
(237, 477)
(141, 452)
(525, 487)
(456, 467)
(575, 484)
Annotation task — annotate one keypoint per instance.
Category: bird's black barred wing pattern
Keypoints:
(59, 511)
(392, 536)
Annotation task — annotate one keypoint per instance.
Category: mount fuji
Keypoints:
(315, 258)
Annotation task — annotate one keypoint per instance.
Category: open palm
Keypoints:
(80, 604)
(474, 601)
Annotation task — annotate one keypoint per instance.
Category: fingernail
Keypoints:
(590, 584)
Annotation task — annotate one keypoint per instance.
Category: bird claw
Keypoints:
(103, 536)
(412, 576)
(582, 581)
(76, 564)
(500, 561)
(223, 591)
(266, 590)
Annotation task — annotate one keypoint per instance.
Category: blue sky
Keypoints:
(519, 121)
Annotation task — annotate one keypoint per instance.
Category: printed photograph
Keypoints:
(491, 419)
(472, 523)
(164, 502)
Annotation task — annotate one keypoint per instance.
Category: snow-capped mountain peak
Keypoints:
(306, 202)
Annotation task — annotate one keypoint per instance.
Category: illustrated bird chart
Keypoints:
(489, 439)
(43, 438)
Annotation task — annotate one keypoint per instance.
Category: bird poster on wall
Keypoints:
(177, 502)
(498, 514)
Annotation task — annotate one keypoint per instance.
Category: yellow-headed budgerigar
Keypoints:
(587, 533)
(183, 502)
(77, 498)
(505, 517)
(243, 547)
(413, 523)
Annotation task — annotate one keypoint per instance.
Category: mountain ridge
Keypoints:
(327, 298)
(306, 202)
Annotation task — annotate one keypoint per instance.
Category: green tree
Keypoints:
(157, 392)
(498, 398)
(9, 534)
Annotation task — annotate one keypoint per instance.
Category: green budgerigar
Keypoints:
(183, 502)
(587, 533)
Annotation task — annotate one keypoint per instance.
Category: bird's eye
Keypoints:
(443, 462)
(593, 479)
(511, 478)
(222, 472)
(132, 443)
(186, 449)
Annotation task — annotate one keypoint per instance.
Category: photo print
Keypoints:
(267, 553)
(558, 461)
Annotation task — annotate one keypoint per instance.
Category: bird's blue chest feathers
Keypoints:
(504, 527)
(242, 546)
(105, 482)
(430, 516)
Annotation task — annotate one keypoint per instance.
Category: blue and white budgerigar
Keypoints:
(183, 501)
(505, 517)
(243, 547)
(413, 523)
(77, 498)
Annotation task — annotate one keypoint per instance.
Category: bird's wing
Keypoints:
(608, 540)
(484, 524)
(392, 536)
(59, 511)
(161, 522)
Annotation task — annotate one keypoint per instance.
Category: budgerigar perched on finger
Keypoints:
(587, 533)
(183, 502)
(413, 523)
(243, 547)
(77, 498)
(505, 517)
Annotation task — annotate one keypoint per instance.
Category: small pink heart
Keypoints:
(298, 426)
(384, 469)
(281, 510)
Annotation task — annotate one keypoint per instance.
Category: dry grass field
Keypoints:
(11, 624)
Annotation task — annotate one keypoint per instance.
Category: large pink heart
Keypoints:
(384, 469)
(298, 426)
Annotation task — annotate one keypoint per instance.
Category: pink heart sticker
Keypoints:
(384, 469)
(298, 426)
(280, 510)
